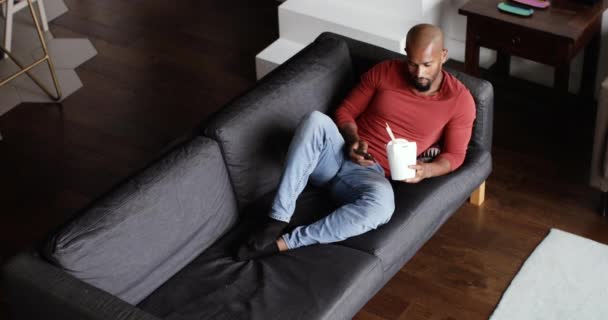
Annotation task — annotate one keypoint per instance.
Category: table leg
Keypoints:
(562, 77)
(503, 63)
(471, 56)
(590, 64)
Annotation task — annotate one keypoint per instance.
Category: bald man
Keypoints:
(419, 100)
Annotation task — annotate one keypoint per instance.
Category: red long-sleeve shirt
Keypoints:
(385, 95)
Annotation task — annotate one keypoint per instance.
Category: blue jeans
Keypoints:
(316, 154)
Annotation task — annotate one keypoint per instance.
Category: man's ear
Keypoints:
(444, 56)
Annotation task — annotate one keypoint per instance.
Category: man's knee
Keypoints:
(316, 124)
(385, 211)
(381, 204)
(317, 117)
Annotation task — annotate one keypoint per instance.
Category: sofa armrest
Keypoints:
(37, 290)
(483, 93)
(365, 55)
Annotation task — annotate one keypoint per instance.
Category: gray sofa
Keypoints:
(160, 245)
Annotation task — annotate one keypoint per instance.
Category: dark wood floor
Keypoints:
(163, 66)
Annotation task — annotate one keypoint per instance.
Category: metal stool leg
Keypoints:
(46, 57)
(45, 49)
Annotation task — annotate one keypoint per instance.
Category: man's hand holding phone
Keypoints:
(358, 153)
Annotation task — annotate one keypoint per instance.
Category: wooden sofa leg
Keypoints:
(479, 195)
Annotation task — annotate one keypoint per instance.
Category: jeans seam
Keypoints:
(299, 183)
(279, 217)
(331, 145)
(336, 158)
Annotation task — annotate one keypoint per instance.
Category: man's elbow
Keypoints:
(452, 161)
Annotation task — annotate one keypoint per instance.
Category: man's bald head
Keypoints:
(425, 57)
(423, 35)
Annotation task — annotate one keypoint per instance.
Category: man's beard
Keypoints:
(421, 87)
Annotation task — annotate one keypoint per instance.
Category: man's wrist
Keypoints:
(428, 172)
(350, 139)
(349, 132)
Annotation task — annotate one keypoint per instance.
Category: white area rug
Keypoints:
(566, 277)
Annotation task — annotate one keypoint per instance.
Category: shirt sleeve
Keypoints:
(359, 97)
(458, 131)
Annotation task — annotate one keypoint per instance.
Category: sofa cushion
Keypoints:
(136, 237)
(315, 282)
(254, 130)
(420, 209)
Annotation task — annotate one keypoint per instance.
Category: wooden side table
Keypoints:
(551, 36)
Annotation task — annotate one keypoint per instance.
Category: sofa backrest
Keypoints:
(364, 56)
(255, 129)
(140, 234)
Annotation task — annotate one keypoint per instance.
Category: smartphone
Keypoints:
(365, 155)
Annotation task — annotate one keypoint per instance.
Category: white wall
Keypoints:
(454, 27)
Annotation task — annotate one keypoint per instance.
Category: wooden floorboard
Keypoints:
(164, 66)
